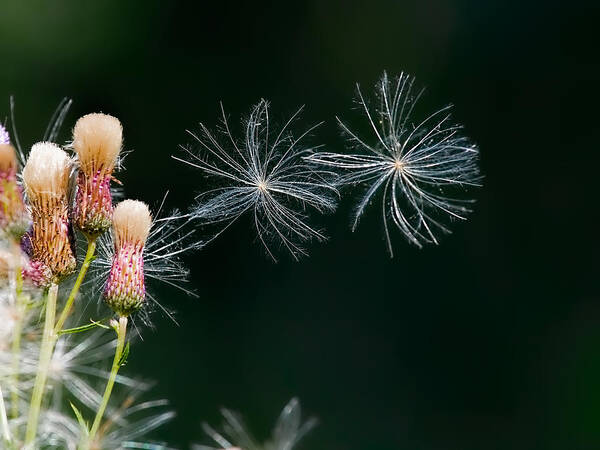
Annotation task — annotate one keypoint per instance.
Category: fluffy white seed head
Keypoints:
(47, 170)
(132, 222)
(419, 168)
(8, 158)
(266, 174)
(287, 433)
(97, 140)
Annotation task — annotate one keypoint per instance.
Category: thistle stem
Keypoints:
(4, 420)
(121, 333)
(48, 340)
(16, 360)
(89, 256)
(16, 344)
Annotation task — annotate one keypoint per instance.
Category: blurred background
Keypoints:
(489, 341)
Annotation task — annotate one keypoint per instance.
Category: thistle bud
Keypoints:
(50, 241)
(14, 218)
(97, 140)
(125, 289)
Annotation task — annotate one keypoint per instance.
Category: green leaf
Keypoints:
(124, 355)
(100, 324)
(82, 423)
(93, 324)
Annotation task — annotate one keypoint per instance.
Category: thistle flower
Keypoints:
(170, 236)
(417, 166)
(97, 140)
(288, 431)
(14, 219)
(125, 289)
(50, 242)
(265, 175)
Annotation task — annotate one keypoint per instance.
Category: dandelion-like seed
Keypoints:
(265, 175)
(125, 289)
(418, 166)
(14, 219)
(288, 431)
(125, 426)
(77, 362)
(130, 422)
(50, 242)
(97, 140)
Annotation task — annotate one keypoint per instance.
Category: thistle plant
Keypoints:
(58, 386)
(51, 369)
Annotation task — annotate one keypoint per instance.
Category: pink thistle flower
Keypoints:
(14, 219)
(125, 289)
(97, 140)
(50, 241)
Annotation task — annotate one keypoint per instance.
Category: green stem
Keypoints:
(48, 340)
(4, 420)
(16, 360)
(121, 333)
(89, 256)
(16, 344)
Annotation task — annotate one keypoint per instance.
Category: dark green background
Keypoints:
(489, 341)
